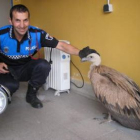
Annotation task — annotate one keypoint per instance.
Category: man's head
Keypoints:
(19, 18)
(19, 8)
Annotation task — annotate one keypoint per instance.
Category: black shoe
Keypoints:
(34, 101)
(31, 97)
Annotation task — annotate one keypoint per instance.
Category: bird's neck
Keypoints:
(91, 68)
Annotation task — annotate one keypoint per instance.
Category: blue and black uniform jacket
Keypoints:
(13, 52)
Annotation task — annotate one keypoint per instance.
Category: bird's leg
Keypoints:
(107, 119)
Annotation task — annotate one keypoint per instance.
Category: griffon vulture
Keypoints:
(117, 92)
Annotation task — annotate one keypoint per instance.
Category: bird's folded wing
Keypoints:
(115, 93)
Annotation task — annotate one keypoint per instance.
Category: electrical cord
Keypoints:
(81, 77)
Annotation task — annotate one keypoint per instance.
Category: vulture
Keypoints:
(118, 93)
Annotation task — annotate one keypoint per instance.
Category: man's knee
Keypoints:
(40, 73)
(44, 65)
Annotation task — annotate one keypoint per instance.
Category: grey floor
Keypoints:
(67, 117)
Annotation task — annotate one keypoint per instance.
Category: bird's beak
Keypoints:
(84, 59)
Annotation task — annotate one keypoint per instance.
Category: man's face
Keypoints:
(20, 22)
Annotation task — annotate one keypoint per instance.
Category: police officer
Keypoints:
(19, 42)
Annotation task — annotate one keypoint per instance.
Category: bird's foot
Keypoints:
(106, 118)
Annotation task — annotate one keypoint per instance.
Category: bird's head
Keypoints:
(94, 58)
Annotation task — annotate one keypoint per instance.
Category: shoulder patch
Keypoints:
(48, 37)
(6, 49)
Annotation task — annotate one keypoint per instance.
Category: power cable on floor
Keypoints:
(80, 75)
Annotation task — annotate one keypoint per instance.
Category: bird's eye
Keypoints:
(91, 56)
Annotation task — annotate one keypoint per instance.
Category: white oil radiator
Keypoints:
(59, 76)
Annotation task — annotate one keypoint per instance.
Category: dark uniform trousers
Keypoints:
(34, 71)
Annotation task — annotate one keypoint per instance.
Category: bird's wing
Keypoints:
(120, 80)
(113, 96)
(123, 81)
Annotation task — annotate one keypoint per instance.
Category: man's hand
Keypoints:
(3, 68)
(86, 51)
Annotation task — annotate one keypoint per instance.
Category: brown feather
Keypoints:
(115, 90)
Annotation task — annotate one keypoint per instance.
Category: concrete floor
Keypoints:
(67, 117)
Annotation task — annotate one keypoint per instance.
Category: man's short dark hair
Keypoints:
(19, 8)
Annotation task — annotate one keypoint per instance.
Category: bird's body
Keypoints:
(118, 93)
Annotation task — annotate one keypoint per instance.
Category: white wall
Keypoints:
(5, 6)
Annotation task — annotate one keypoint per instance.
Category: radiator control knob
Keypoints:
(64, 56)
